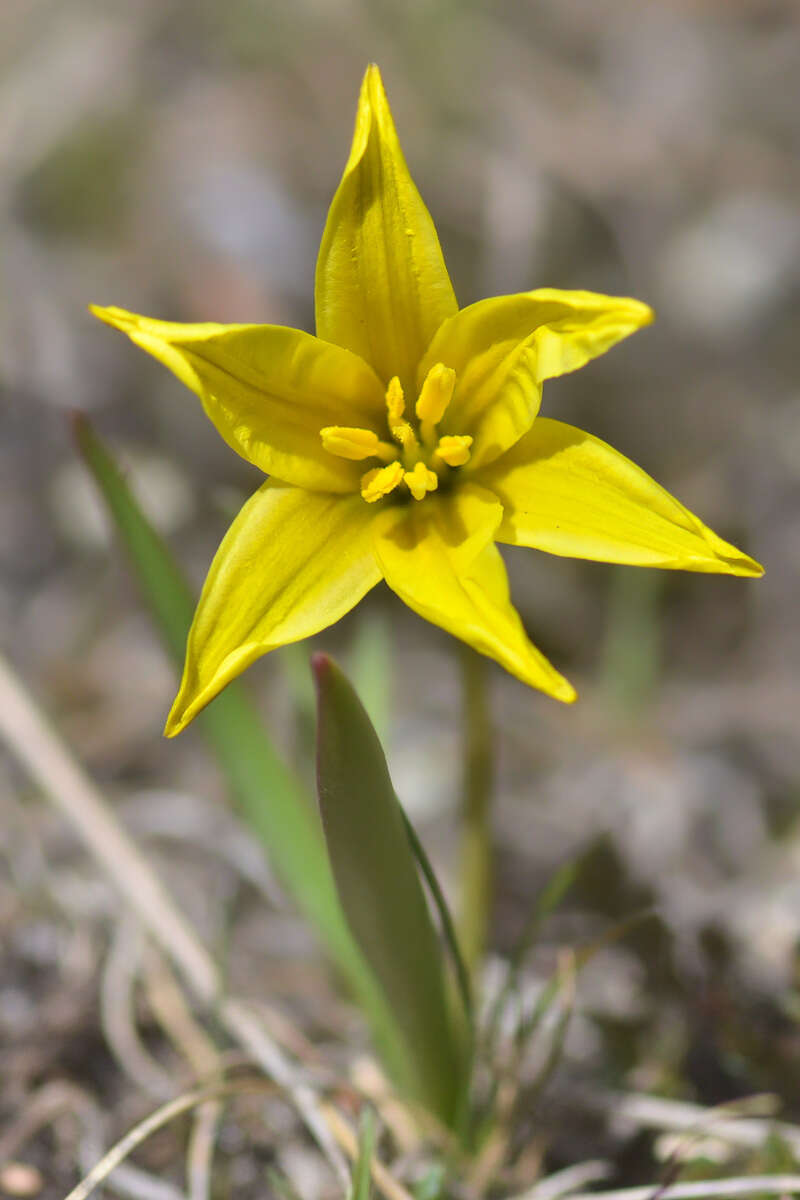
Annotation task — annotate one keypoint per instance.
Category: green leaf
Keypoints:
(271, 799)
(380, 891)
(546, 902)
(362, 1176)
(581, 957)
(432, 1185)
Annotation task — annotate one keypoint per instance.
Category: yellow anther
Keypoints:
(454, 450)
(400, 429)
(437, 391)
(355, 444)
(379, 482)
(395, 402)
(349, 443)
(404, 434)
(421, 480)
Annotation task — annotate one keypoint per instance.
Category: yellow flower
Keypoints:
(402, 442)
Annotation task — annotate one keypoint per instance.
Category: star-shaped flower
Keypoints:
(402, 442)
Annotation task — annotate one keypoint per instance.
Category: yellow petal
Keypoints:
(440, 559)
(568, 493)
(382, 289)
(269, 391)
(292, 563)
(503, 348)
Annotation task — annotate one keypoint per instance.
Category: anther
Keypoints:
(434, 397)
(381, 481)
(400, 429)
(395, 401)
(355, 444)
(454, 449)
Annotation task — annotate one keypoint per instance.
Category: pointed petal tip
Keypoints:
(118, 318)
(373, 81)
(728, 559)
(185, 707)
(551, 683)
(176, 722)
(636, 314)
(647, 316)
(746, 567)
(373, 112)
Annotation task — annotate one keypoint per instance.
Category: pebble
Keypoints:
(20, 1179)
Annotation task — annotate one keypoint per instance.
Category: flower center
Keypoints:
(417, 456)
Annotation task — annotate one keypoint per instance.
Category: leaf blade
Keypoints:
(380, 890)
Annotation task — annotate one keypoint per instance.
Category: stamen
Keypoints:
(381, 481)
(395, 401)
(454, 450)
(417, 464)
(406, 437)
(355, 444)
(421, 480)
(401, 431)
(436, 393)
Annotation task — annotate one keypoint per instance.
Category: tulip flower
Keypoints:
(402, 442)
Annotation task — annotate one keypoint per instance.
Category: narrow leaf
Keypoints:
(380, 891)
(271, 799)
(362, 1176)
(546, 902)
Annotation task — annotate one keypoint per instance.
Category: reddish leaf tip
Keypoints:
(321, 664)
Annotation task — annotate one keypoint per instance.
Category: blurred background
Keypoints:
(177, 158)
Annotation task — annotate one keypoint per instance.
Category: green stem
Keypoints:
(476, 839)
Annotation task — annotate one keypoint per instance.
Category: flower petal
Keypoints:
(504, 348)
(382, 288)
(439, 557)
(292, 563)
(568, 493)
(268, 390)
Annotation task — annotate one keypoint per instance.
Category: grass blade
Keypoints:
(362, 1176)
(546, 902)
(268, 794)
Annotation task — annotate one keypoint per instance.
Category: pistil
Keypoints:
(420, 481)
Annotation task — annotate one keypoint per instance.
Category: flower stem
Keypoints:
(476, 840)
